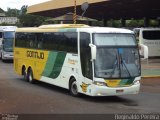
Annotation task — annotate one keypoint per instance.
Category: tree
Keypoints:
(135, 23)
(1, 11)
(12, 12)
(25, 20)
(28, 20)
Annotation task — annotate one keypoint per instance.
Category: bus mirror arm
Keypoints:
(143, 51)
(93, 51)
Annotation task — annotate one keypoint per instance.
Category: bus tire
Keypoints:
(2, 58)
(24, 73)
(30, 76)
(73, 87)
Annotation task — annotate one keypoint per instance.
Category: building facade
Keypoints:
(7, 20)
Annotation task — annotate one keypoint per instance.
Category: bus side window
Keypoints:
(71, 42)
(0, 34)
(20, 39)
(50, 41)
(40, 44)
(30, 40)
(85, 55)
(39, 37)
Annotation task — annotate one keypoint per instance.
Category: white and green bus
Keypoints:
(95, 61)
(7, 34)
(150, 37)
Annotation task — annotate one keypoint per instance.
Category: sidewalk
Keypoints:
(150, 69)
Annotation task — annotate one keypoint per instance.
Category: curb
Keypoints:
(150, 76)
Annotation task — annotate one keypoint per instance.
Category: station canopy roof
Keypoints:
(69, 17)
(100, 9)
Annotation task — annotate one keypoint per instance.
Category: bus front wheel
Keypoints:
(73, 88)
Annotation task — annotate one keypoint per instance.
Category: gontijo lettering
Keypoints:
(34, 54)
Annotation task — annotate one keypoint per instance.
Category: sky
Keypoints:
(4, 4)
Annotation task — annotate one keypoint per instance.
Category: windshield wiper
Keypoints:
(118, 63)
(123, 63)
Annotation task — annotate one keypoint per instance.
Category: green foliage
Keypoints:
(28, 20)
(114, 23)
(12, 12)
(25, 20)
(1, 11)
(4, 24)
(97, 23)
(153, 23)
(134, 23)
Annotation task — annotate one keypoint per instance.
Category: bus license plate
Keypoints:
(119, 91)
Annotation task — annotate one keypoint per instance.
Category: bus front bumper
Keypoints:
(110, 91)
(7, 57)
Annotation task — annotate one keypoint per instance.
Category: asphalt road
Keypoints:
(20, 97)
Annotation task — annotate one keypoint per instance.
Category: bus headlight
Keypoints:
(136, 82)
(99, 83)
(5, 54)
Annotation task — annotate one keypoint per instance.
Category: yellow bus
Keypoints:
(95, 61)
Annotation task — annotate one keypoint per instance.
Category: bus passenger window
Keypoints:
(0, 34)
(39, 40)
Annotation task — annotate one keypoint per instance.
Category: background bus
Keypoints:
(1, 30)
(151, 38)
(90, 60)
(6, 42)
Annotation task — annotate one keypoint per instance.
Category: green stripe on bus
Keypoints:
(54, 64)
(67, 30)
(130, 81)
(50, 63)
(123, 82)
(126, 81)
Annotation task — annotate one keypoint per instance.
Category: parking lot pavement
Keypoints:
(150, 85)
(151, 68)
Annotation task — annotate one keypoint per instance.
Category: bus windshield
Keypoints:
(8, 45)
(117, 56)
(8, 35)
(113, 39)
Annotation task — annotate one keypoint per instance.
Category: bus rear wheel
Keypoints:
(30, 76)
(1, 56)
(73, 88)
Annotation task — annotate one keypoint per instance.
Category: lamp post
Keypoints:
(75, 14)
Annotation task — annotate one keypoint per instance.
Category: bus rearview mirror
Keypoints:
(143, 49)
(93, 51)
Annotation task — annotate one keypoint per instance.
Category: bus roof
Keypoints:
(105, 30)
(52, 26)
(147, 28)
(73, 28)
(8, 28)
